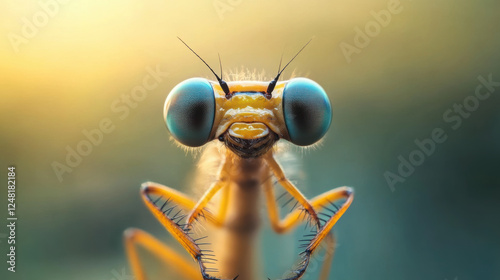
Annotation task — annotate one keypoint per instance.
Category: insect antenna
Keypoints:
(272, 84)
(281, 60)
(222, 83)
(220, 66)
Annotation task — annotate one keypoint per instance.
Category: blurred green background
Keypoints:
(64, 65)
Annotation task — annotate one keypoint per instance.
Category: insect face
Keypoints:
(248, 119)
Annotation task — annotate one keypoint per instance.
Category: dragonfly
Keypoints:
(239, 124)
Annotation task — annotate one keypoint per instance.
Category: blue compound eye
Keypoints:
(190, 111)
(307, 111)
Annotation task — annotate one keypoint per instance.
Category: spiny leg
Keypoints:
(323, 201)
(198, 209)
(134, 237)
(221, 182)
(326, 201)
(293, 218)
(292, 190)
(327, 261)
(279, 226)
(172, 223)
(178, 198)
